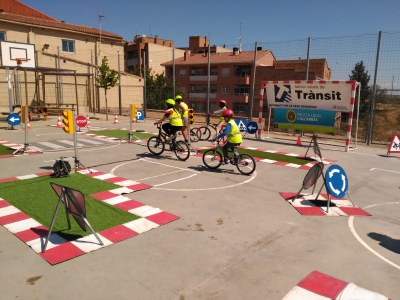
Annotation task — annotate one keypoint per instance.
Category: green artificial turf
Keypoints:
(5, 150)
(273, 156)
(122, 134)
(36, 198)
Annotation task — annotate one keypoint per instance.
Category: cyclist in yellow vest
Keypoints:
(174, 119)
(232, 132)
(183, 110)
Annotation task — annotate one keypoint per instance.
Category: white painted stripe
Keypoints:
(104, 176)
(27, 176)
(90, 141)
(298, 293)
(350, 222)
(8, 210)
(352, 291)
(270, 161)
(292, 154)
(141, 225)
(116, 200)
(54, 241)
(90, 243)
(145, 211)
(22, 225)
(180, 179)
(126, 183)
(293, 165)
(122, 190)
(50, 145)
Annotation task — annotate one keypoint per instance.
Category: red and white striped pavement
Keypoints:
(58, 249)
(15, 147)
(338, 207)
(319, 286)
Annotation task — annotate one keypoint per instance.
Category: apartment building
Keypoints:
(62, 48)
(231, 76)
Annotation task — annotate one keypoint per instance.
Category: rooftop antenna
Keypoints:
(240, 37)
(100, 22)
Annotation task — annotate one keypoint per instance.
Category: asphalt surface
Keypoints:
(236, 237)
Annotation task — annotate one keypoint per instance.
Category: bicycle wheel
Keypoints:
(193, 135)
(182, 150)
(212, 159)
(155, 145)
(204, 133)
(246, 164)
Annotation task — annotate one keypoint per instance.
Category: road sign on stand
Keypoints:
(252, 127)
(336, 181)
(242, 124)
(14, 119)
(81, 121)
(394, 146)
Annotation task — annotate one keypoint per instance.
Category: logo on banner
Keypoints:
(291, 116)
(283, 93)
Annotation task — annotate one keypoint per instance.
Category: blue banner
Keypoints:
(321, 120)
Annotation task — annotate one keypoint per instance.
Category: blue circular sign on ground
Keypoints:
(14, 119)
(252, 127)
(336, 181)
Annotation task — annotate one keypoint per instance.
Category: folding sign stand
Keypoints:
(132, 118)
(74, 204)
(311, 178)
(317, 150)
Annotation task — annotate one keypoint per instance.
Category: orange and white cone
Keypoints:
(116, 119)
(28, 126)
(59, 124)
(298, 143)
(88, 121)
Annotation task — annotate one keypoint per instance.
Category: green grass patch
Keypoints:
(36, 198)
(5, 150)
(122, 134)
(272, 156)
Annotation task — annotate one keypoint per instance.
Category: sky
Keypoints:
(224, 22)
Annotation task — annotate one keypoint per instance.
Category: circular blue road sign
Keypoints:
(14, 119)
(336, 181)
(252, 127)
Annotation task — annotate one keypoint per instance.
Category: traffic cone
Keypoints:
(116, 119)
(28, 126)
(134, 120)
(298, 143)
(59, 124)
(88, 121)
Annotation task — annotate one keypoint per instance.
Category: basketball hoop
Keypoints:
(21, 60)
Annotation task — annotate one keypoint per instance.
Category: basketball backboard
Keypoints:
(17, 55)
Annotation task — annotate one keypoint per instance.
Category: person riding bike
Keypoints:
(232, 132)
(183, 110)
(222, 106)
(174, 119)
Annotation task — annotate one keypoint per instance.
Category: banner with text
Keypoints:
(303, 94)
(302, 119)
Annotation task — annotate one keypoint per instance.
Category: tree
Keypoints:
(360, 74)
(106, 79)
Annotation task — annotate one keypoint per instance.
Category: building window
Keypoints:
(182, 72)
(241, 90)
(224, 90)
(225, 71)
(68, 46)
(2, 36)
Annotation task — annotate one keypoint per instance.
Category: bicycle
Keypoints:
(193, 135)
(156, 145)
(204, 132)
(245, 163)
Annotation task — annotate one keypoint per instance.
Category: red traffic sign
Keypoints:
(81, 121)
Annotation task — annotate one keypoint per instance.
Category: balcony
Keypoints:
(203, 78)
(201, 96)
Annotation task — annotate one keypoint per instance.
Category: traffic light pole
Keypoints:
(24, 148)
(77, 162)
